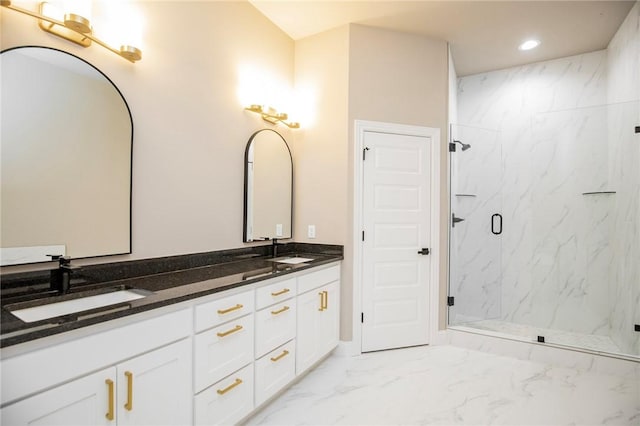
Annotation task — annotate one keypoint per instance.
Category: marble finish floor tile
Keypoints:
(446, 385)
(579, 340)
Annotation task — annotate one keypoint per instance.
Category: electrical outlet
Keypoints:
(311, 231)
(278, 230)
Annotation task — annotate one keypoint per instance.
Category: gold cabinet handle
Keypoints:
(279, 357)
(228, 388)
(281, 292)
(109, 414)
(321, 294)
(279, 311)
(226, 311)
(129, 405)
(233, 330)
(326, 299)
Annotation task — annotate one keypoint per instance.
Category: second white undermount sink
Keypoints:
(291, 260)
(52, 310)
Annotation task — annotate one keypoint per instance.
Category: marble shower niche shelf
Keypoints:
(599, 193)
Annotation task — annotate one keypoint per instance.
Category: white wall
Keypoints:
(190, 129)
(404, 80)
(320, 150)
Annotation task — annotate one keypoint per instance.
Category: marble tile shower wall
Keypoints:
(568, 261)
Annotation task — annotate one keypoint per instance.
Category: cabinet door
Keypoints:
(307, 343)
(83, 402)
(329, 319)
(155, 388)
(318, 324)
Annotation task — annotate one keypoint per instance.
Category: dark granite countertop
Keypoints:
(171, 280)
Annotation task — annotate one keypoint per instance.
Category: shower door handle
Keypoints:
(493, 224)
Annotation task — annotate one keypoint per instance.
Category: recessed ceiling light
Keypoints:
(529, 44)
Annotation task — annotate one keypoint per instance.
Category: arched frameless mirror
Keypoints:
(66, 140)
(268, 187)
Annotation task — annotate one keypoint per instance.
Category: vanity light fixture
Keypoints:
(529, 44)
(273, 116)
(74, 28)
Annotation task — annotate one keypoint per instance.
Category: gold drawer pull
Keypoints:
(233, 330)
(321, 294)
(279, 357)
(109, 414)
(228, 388)
(281, 292)
(129, 405)
(226, 311)
(286, 308)
(326, 300)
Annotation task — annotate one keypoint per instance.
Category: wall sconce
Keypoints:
(74, 28)
(273, 116)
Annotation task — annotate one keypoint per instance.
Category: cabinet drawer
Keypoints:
(317, 279)
(226, 402)
(222, 350)
(274, 293)
(274, 371)
(275, 325)
(222, 310)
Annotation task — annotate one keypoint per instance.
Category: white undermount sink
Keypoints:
(293, 260)
(52, 310)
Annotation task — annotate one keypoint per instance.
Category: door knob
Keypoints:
(424, 251)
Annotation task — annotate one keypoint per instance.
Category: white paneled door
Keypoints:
(396, 240)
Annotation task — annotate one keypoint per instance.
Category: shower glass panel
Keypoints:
(475, 225)
(585, 221)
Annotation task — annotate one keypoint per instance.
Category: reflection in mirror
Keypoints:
(66, 158)
(268, 186)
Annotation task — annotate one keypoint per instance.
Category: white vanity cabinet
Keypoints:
(318, 316)
(149, 389)
(208, 361)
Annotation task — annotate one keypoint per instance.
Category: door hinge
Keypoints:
(636, 327)
(452, 147)
(450, 300)
(362, 235)
(637, 129)
(364, 153)
(362, 317)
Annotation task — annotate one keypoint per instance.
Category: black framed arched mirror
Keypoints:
(268, 187)
(67, 135)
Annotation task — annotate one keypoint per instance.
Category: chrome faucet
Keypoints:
(61, 276)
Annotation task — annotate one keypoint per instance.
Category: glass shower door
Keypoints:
(476, 225)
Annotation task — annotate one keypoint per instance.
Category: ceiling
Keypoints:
(484, 35)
